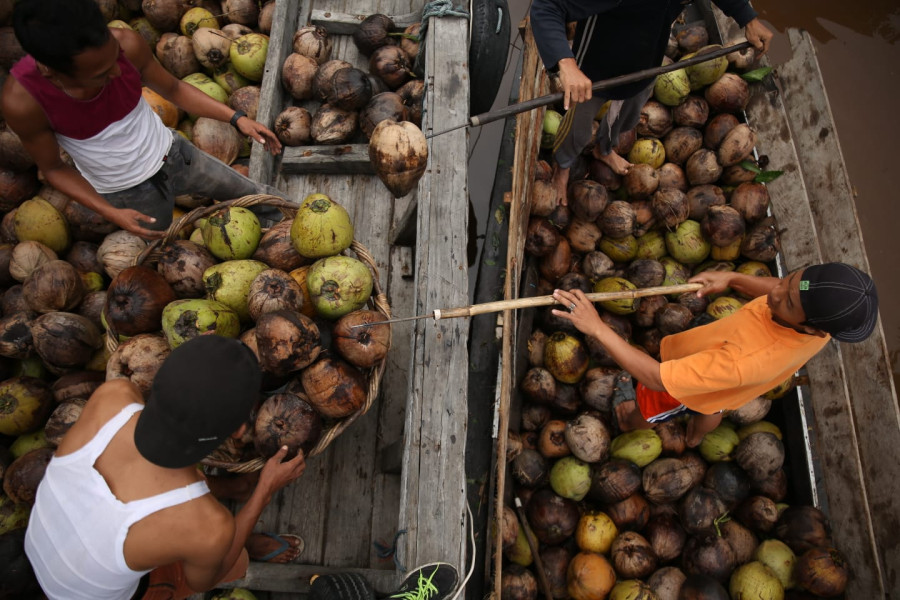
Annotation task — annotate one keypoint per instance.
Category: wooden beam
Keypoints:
(294, 579)
(342, 159)
(338, 23)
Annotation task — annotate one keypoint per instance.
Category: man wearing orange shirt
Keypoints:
(727, 363)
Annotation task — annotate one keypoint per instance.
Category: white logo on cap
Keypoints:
(207, 439)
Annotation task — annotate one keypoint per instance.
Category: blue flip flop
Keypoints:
(283, 545)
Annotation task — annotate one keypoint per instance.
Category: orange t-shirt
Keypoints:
(727, 363)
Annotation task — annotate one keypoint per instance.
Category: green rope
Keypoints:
(435, 8)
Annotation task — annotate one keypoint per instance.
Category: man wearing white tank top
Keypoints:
(122, 503)
(79, 88)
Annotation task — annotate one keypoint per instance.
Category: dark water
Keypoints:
(858, 46)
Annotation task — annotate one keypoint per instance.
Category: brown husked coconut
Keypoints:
(655, 121)
(13, 301)
(541, 237)
(737, 145)
(646, 309)
(277, 250)
(165, 15)
(751, 199)
(335, 388)
(413, 94)
(176, 54)
(587, 199)
(22, 477)
(217, 139)
(182, 264)
(245, 98)
(557, 263)
(384, 106)
(136, 299)
(53, 286)
(617, 221)
(693, 112)
(597, 265)
(16, 187)
(119, 250)
(614, 481)
(543, 198)
(640, 181)
(364, 346)
(322, 76)
(672, 176)
(681, 143)
(286, 419)
(760, 454)
(287, 341)
(313, 41)
(61, 420)
(331, 125)
(737, 174)
(670, 207)
(759, 514)
(752, 412)
(709, 556)
(350, 89)
(83, 256)
(244, 12)
(729, 94)
(298, 74)
(391, 65)
(15, 335)
(645, 272)
(588, 437)
(633, 556)
(761, 242)
(12, 153)
(65, 340)
(631, 514)
(271, 290)
(26, 257)
(701, 198)
(76, 386)
(583, 235)
(692, 38)
(399, 153)
(373, 33)
(666, 480)
(293, 126)
(717, 128)
(722, 225)
(138, 359)
(672, 318)
(702, 167)
(742, 541)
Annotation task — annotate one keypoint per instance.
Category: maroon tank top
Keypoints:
(82, 119)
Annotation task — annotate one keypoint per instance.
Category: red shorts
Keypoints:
(657, 407)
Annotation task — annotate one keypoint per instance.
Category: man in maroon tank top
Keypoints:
(79, 89)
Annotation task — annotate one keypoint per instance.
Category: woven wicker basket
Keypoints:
(221, 458)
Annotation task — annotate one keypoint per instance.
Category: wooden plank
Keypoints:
(433, 484)
(343, 23)
(295, 578)
(344, 159)
(856, 413)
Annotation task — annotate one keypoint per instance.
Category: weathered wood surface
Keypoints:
(345, 23)
(529, 125)
(854, 400)
(433, 489)
(344, 504)
(346, 159)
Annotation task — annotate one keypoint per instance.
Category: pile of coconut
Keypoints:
(77, 311)
(639, 515)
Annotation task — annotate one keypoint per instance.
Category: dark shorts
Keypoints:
(188, 170)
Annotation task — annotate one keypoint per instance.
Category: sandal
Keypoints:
(623, 391)
(284, 544)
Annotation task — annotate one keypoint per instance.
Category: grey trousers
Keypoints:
(189, 170)
(576, 126)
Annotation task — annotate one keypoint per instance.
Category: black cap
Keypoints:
(840, 300)
(202, 393)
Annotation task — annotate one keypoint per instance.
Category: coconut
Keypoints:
(570, 478)
(13, 155)
(244, 12)
(185, 319)
(16, 187)
(680, 143)
(686, 243)
(313, 41)
(373, 33)
(666, 480)
(365, 346)
(676, 273)
(755, 580)
(672, 176)
(391, 65)
(232, 233)
(699, 509)
(710, 556)
(582, 236)
(587, 199)
(648, 151)
(672, 88)
(276, 248)
(692, 37)
(667, 582)
(702, 167)
(321, 83)
(723, 225)
(25, 403)
(384, 106)
(65, 340)
(776, 555)
(217, 139)
(616, 284)
(165, 15)
(645, 315)
(182, 264)
(146, 30)
(723, 306)
(737, 145)
(518, 583)
(15, 335)
(632, 556)
(286, 419)
(590, 576)
(339, 285)
(588, 438)
(645, 272)
(751, 200)
(596, 265)
(335, 388)
(631, 514)
(614, 481)
(617, 220)
(76, 387)
(321, 227)
(565, 357)
(822, 571)
(273, 289)
(644, 219)
(245, 98)
(541, 237)
(761, 241)
(730, 93)
(655, 120)
(248, 53)
(758, 513)
(53, 286)
(672, 318)
(38, 220)
(641, 446)
(666, 537)
(595, 532)
(760, 454)
(350, 89)
(331, 125)
(803, 528)
(298, 74)
(719, 443)
(539, 385)
(530, 468)
(176, 54)
(694, 303)
(670, 208)
(292, 126)
(229, 283)
(753, 411)
(717, 128)
(138, 359)
(651, 245)
(552, 517)
(693, 112)
(21, 479)
(135, 301)
(596, 387)
(399, 153)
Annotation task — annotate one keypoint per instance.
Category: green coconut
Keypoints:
(566, 357)
(759, 427)
(707, 72)
(25, 404)
(686, 244)
(248, 55)
(338, 285)
(206, 85)
(27, 442)
(38, 220)
(229, 79)
(755, 580)
(672, 88)
(718, 444)
(186, 319)
(676, 272)
(552, 119)
(616, 284)
(13, 515)
(648, 151)
(229, 283)
(321, 227)
(779, 557)
(232, 233)
(641, 446)
(620, 250)
(651, 245)
(571, 478)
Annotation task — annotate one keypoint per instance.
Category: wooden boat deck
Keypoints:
(396, 476)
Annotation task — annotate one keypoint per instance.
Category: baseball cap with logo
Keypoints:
(840, 300)
(202, 393)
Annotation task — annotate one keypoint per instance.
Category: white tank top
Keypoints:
(76, 534)
(124, 154)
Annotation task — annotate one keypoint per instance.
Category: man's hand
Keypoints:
(759, 35)
(130, 220)
(580, 311)
(277, 472)
(259, 133)
(576, 86)
(714, 282)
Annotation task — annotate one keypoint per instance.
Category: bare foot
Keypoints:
(560, 182)
(613, 161)
(274, 548)
(232, 487)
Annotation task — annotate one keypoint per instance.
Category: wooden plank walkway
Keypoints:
(854, 401)
(346, 502)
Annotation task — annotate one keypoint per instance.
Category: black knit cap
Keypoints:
(202, 393)
(840, 300)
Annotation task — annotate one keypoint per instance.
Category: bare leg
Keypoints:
(698, 426)
(560, 183)
(630, 418)
(613, 161)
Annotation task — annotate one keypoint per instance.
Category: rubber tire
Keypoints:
(488, 51)
(341, 586)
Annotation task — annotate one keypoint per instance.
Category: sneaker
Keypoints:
(434, 581)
